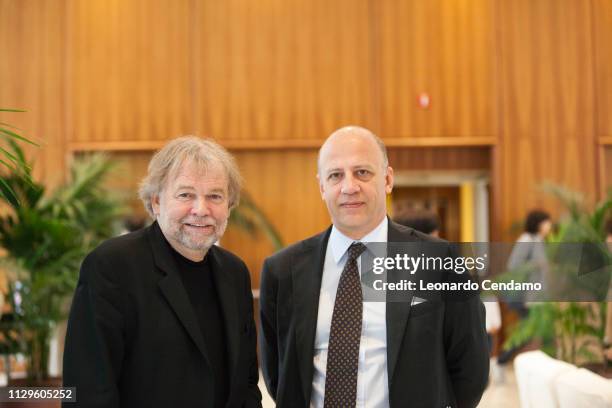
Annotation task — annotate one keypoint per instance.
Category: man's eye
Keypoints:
(216, 198)
(184, 195)
(362, 173)
(334, 176)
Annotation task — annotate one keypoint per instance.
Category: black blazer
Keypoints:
(437, 351)
(133, 339)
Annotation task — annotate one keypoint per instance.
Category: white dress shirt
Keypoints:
(372, 377)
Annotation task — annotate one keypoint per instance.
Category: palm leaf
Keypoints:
(249, 217)
(47, 236)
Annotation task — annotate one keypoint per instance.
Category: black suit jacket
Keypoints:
(133, 339)
(437, 352)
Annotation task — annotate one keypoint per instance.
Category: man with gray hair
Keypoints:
(162, 317)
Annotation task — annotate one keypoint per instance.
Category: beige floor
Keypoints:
(501, 393)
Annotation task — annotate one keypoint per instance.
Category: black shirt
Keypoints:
(199, 281)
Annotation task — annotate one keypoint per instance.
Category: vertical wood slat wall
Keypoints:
(441, 48)
(547, 82)
(531, 82)
(32, 77)
(280, 70)
(129, 70)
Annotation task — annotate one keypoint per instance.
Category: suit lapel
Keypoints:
(226, 292)
(398, 310)
(307, 272)
(172, 287)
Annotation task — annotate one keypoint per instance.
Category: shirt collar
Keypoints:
(340, 243)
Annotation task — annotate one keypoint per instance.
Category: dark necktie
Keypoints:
(345, 335)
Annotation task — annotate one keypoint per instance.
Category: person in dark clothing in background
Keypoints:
(529, 251)
(426, 222)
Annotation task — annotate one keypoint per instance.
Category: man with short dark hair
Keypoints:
(162, 317)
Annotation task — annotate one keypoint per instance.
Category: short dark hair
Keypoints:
(425, 222)
(134, 223)
(534, 219)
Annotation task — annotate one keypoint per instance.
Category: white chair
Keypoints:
(583, 388)
(536, 373)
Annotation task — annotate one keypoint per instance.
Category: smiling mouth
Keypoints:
(200, 226)
(355, 204)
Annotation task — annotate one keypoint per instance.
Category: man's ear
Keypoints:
(321, 189)
(155, 204)
(389, 180)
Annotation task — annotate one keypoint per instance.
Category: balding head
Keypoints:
(354, 179)
(346, 134)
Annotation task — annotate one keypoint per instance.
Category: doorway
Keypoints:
(459, 199)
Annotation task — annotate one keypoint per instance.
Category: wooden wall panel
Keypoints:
(284, 185)
(606, 152)
(32, 57)
(282, 70)
(130, 168)
(445, 49)
(602, 12)
(547, 104)
(440, 158)
(530, 79)
(129, 69)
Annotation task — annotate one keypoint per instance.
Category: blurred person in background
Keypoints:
(530, 249)
(529, 252)
(426, 222)
(133, 223)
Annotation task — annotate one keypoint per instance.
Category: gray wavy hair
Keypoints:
(201, 152)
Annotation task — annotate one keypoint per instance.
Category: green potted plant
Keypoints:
(11, 162)
(45, 236)
(570, 330)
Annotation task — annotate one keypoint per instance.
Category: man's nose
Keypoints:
(200, 207)
(349, 185)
